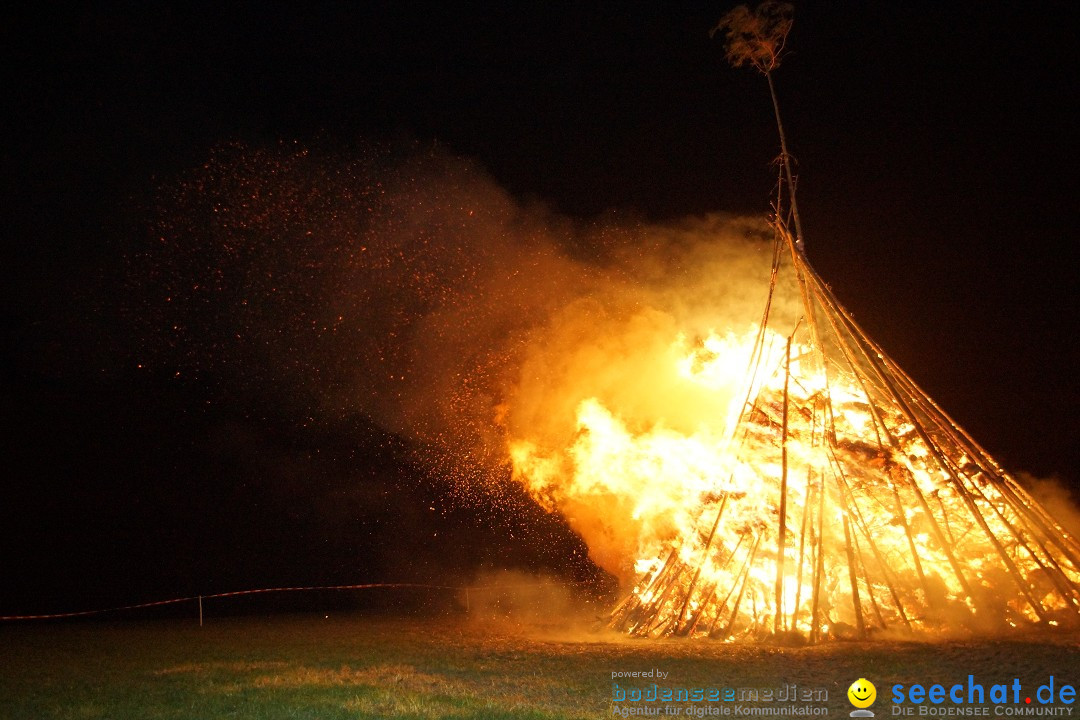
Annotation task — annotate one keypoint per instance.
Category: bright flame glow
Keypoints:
(804, 504)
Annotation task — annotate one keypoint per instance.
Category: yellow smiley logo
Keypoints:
(862, 693)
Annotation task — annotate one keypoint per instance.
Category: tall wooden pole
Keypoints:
(786, 160)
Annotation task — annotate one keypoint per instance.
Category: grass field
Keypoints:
(376, 667)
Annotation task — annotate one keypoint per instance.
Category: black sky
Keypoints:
(938, 188)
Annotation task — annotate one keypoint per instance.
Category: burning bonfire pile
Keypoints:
(842, 500)
(828, 497)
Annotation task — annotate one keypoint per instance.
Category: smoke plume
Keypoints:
(409, 288)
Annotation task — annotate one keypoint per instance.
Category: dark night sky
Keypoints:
(938, 189)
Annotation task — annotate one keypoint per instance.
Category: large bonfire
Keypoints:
(830, 497)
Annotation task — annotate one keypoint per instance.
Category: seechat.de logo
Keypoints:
(862, 695)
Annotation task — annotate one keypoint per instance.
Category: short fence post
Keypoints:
(200, 611)
(466, 599)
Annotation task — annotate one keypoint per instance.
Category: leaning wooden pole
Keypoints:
(819, 562)
(697, 572)
(854, 578)
(781, 532)
(802, 550)
(742, 588)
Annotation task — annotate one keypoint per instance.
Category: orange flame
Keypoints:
(801, 503)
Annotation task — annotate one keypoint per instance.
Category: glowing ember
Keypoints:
(821, 494)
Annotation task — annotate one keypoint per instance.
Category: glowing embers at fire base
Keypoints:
(829, 497)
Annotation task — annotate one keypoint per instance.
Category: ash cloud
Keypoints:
(408, 287)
